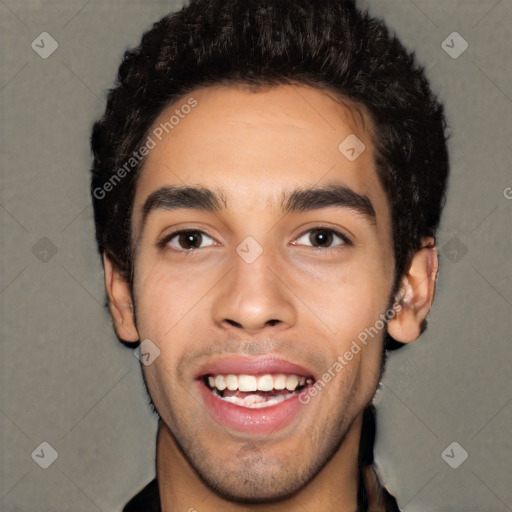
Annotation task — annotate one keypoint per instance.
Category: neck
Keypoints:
(333, 488)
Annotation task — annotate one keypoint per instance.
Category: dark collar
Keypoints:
(147, 500)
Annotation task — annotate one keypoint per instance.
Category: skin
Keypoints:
(197, 305)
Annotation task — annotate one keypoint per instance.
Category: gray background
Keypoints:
(67, 381)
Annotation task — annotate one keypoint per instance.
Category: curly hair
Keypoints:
(327, 44)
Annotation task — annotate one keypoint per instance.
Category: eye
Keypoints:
(323, 238)
(188, 239)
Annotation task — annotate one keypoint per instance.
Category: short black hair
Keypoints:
(327, 44)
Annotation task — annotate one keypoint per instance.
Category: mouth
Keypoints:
(256, 391)
(257, 395)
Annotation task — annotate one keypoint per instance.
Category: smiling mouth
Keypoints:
(256, 391)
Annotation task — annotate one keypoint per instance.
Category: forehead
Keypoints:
(256, 146)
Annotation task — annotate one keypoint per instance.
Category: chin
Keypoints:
(249, 489)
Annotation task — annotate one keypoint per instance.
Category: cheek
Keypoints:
(165, 297)
(344, 299)
(350, 304)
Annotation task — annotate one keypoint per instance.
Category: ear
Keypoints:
(416, 295)
(119, 302)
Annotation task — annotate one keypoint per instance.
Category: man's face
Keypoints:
(284, 303)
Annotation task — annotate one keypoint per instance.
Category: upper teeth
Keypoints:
(249, 383)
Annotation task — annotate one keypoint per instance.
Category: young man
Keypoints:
(268, 178)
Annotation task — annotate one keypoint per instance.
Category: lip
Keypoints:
(262, 421)
(252, 366)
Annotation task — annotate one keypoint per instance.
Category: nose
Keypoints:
(253, 296)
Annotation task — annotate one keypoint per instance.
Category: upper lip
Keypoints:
(252, 365)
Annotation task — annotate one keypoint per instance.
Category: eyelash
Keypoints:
(346, 241)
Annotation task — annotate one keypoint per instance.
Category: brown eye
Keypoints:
(323, 238)
(188, 240)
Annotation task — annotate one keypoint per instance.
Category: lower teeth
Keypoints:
(255, 401)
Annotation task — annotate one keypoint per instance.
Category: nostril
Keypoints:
(232, 322)
(273, 322)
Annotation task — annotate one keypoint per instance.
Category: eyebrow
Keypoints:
(175, 197)
(328, 195)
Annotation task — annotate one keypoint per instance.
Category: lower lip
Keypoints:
(264, 421)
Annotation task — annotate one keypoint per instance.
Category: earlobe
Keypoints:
(416, 295)
(120, 302)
